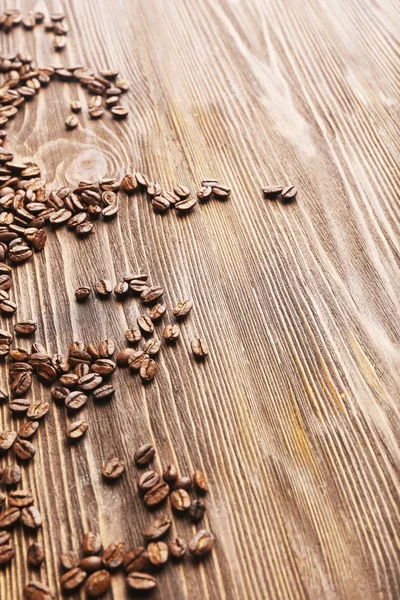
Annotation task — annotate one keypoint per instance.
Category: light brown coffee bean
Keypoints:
(91, 543)
(103, 288)
(182, 483)
(182, 308)
(37, 410)
(272, 192)
(199, 348)
(24, 449)
(72, 579)
(152, 347)
(157, 494)
(133, 335)
(69, 560)
(182, 191)
(152, 293)
(288, 194)
(25, 327)
(90, 381)
(35, 555)
(200, 482)
(157, 529)
(113, 468)
(71, 122)
(7, 553)
(221, 191)
(184, 206)
(135, 560)
(31, 518)
(158, 553)
(90, 564)
(177, 548)
(147, 481)
(36, 590)
(135, 361)
(28, 430)
(157, 312)
(82, 293)
(123, 356)
(11, 475)
(180, 500)
(20, 498)
(76, 430)
(9, 517)
(113, 555)
(75, 400)
(7, 439)
(140, 581)
(170, 474)
(201, 543)
(171, 333)
(148, 369)
(145, 324)
(144, 454)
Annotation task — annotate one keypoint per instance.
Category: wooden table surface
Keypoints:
(295, 415)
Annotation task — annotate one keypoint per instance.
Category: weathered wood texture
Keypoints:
(295, 416)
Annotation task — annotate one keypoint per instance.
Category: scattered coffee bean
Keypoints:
(158, 553)
(7, 439)
(209, 183)
(11, 475)
(204, 193)
(104, 392)
(103, 288)
(121, 289)
(72, 579)
(160, 204)
(135, 560)
(201, 543)
(20, 498)
(157, 529)
(272, 192)
(177, 548)
(221, 191)
(75, 400)
(147, 481)
(25, 327)
(91, 543)
(71, 122)
(123, 356)
(76, 430)
(90, 564)
(197, 510)
(103, 367)
(98, 583)
(157, 312)
(69, 560)
(144, 454)
(288, 194)
(135, 361)
(182, 308)
(82, 293)
(7, 553)
(182, 483)
(119, 112)
(157, 494)
(184, 206)
(113, 555)
(19, 405)
(113, 468)
(24, 449)
(182, 191)
(129, 183)
(152, 347)
(140, 581)
(90, 381)
(200, 482)
(75, 106)
(28, 430)
(133, 335)
(199, 348)
(171, 333)
(145, 324)
(35, 590)
(31, 518)
(35, 555)
(180, 500)
(37, 410)
(170, 474)
(148, 368)
(9, 517)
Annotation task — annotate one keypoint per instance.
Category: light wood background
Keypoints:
(295, 416)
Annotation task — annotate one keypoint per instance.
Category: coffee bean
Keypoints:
(221, 191)
(182, 191)
(96, 113)
(103, 367)
(177, 548)
(160, 204)
(129, 182)
(91, 543)
(200, 482)
(71, 122)
(197, 510)
(170, 473)
(79, 356)
(135, 361)
(35, 590)
(35, 555)
(153, 189)
(157, 312)
(182, 308)
(59, 393)
(90, 564)
(157, 529)
(113, 468)
(144, 454)
(136, 277)
(133, 335)
(151, 294)
(119, 112)
(145, 324)
(140, 581)
(21, 383)
(69, 381)
(135, 560)
(75, 400)
(75, 106)
(28, 430)
(171, 333)
(201, 543)
(5, 337)
(4, 350)
(72, 579)
(7, 553)
(182, 483)
(98, 583)
(3, 499)
(81, 370)
(204, 193)
(4, 537)
(142, 179)
(82, 293)
(158, 553)
(37, 410)
(20, 498)
(272, 192)
(148, 368)
(76, 430)
(121, 289)
(123, 356)
(46, 373)
(24, 449)
(31, 518)
(147, 481)
(184, 206)
(157, 494)
(209, 183)
(19, 354)
(110, 212)
(95, 102)
(9, 517)
(19, 405)
(90, 381)
(7, 439)
(104, 392)
(199, 348)
(69, 560)
(25, 327)
(113, 555)
(84, 229)
(138, 286)
(61, 216)
(60, 363)
(288, 194)
(152, 347)
(5, 282)
(106, 349)
(180, 500)
(103, 288)
(11, 475)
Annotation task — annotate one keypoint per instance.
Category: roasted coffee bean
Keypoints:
(91, 543)
(170, 474)
(37, 410)
(25, 327)
(60, 363)
(108, 212)
(95, 102)
(90, 382)
(182, 483)
(3, 499)
(7, 552)
(184, 206)
(160, 203)
(7, 439)
(106, 349)
(145, 324)
(69, 380)
(221, 191)
(82, 370)
(177, 548)
(144, 454)
(104, 392)
(153, 189)
(75, 400)
(103, 367)
(200, 482)
(19, 354)
(75, 106)
(129, 182)
(98, 583)
(84, 229)
(9, 517)
(204, 193)
(11, 475)
(24, 449)
(113, 555)
(142, 179)
(28, 430)
(19, 405)
(61, 216)
(31, 518)
(123, 356)
(158, 553)
(133, 335)
(93, 351)
(157, 312)
(21, 383)
(180, 500)
(272, 192)
(4, 537)
(135, 361)
(182, 308)
(152, 347)
(72, 579)
(119, 112)
(113, 468)
(157, 529)
(147, 481)
(209, 183)
(90, 564)
(197, 509)
(151, 294)
(82, 293)
(288, 194)
(59, 393)
(79, 356)
(4, 350)
(96, 113)
(76, 430)
(35, 590)
(71, 122)
(182, 191)
(46, 373)
(140, 581)
(136, 277)
(103, 288)
(199, 348)
(5, 337)
(135, 560)
(20, 498)
(77, 346)
(35, 555)
(5, 282)
(148, 368)
(157, 494)
(201, 543)
(138, 286)
(20, 367)
(69, 560)
(121, 289)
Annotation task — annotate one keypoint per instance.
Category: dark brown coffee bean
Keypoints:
(46, 373)
(72, 579)
(288, 194)
(19, 405)
(35, 590)
(103, 367)
(5, 337)
(145, 324)
(7, 552)
(75, 400)
(90, 382)
(35, 555)
(37, 410)
(69, 380)
(113, 555)
(93, 351)
(148, 368)
(76, 430)
(71, 122)
(9, 517)
(133, 335)
(200, 482)
(19, 354)
(20, 498)
(182, 191)
(3, 499)
(82, 293)
(221, 191)
(123, 356)
(199, 348)
(98, 583)
(182, 483)
(182, 308)
(24, 449)
(135, 560)
(158, 553)
(25, 327)
(104, 392)
(204, 193)
(160, 204)
(171, 333)
(38, 359)
(59, 393)
(157, 494)
(184, 206)
(69, 560)
(201, 543)
(272, 192)
(140, 581)
(197, 509)
(7, 439)
(11, 475)
(147, 481)
(31, 518)
(170, 474)
(129, 182)
(157, 529)
(144, 454)
(90, 564)
(38, 349)
(121, 289)
(151, 294)
(103, 288)
(60, 363)
(21, 383)
(82, 370)
(4, 537)
(28, 430)
(79, 356)
(177, 548)
(91, 543)
(152, 347)
(5, 281)
(113, 468)
(119, 112)
(4, 350)
(106, 349)
(180, 500)
(135, 361)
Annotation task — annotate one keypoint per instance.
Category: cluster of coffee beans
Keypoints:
(56, 24)
(284, 194)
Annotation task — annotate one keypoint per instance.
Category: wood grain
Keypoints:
(295, 416)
